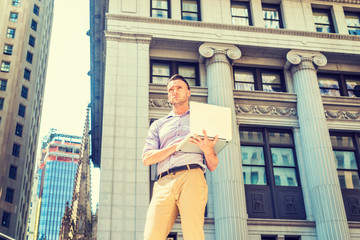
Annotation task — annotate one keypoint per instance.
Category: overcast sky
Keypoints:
(67, 88)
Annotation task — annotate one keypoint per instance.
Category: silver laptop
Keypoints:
(214, 119)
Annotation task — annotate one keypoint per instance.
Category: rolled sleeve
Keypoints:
(152, 141)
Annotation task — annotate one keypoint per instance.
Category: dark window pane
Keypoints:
(27, 74)
(29, 57)
(31, 41)
(341, 141)
(15, 3)
(285, 177)
(13, 17)
(36, 10)
(16, 150)
(3, 85)
(10, 33)
(33, 25)
(12, 172)
(254, 175)
(280, 137)
(252, 155)
(2, 100)
(5, 221)
(24, 92)
(349, 179)
(353, 86)
(283, 157)
(251, 136)
(18, 130)
(345, 160)
(9, 195)
(21, 111)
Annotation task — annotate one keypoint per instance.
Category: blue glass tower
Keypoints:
(58, 170)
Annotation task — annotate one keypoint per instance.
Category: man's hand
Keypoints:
(207, 146)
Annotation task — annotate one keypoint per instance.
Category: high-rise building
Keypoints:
(56, 181)
(25, 28)
(290, 72)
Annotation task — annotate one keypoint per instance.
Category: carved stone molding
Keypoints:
(126, 37)
(219, 53)
(343, 1)
(305, 60)
(159, 103)
(266, 110)
(234, 27)
(343, 115)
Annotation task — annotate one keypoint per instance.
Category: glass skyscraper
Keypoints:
(57, 174)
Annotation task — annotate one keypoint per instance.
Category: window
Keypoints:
(270, 174)
(5, 221)
(10, 33)
(24, 92)
(353, 22)
(13, 17)
(5, 66)
(15, 3)
(346, 147)
(36, 10)
(16, 150)
(2, 100)
(339, 85)
(22, 110)
(3, 84)
(259, 79)
(31, 41)
(29, 57)
(12, 172)
(27, 74)
(272, 16)
(240, 13)
(9, 195)
(323, 21)
(34, 25)
(190, 10)
(161, 71)
(19, 130)
(8, 49)
(160, 8)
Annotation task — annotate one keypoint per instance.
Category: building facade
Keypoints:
(25, 28)
(290, 72)
(57, 173)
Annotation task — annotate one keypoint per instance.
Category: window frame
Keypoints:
(34, 25)
(174, 69)
(5, 66)
(14, 17)
(257, 75)
(5, 220)
(272, 196)
(36, 10)
(168, 10)
(276, 7)
(341, 78)
(357, 14)
(16, 150)
(12, 172)
(249, 18)
(32, 40)
(27, 74)
(2, 103)
(24, 92)
(8, 49)
(29, 57)
(22, 110)
(331, 21)
(15, 3)
(10, 32)
(3, 84)
(19, 129)
(198, 11)
(349, 195)
(9, 196)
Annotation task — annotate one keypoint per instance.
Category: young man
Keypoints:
(181, 186)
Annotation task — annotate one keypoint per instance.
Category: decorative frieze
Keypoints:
(343, 115)
(159, 103)
(267, 110)
(126, 37)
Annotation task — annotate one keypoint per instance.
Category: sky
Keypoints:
(67, 88)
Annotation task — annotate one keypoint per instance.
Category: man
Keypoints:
(181, 186)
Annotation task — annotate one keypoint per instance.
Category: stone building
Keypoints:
(290, 72)
(25, 28)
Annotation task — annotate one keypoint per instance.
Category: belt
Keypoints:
(178, 169)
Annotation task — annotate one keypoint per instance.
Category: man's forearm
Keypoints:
(158, 155)
(211, 160)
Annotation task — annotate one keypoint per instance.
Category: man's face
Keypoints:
(178, 92)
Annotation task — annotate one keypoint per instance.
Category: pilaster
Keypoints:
(229, 194)
(319, 162)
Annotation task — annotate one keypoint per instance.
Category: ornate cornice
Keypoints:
(159, 103)
(231, 27)
(305, 60)
(343, 115)
(126, 37)
(265, 110)
(343, 1)
(219, 53)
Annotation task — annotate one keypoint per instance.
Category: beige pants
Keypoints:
(184, 192)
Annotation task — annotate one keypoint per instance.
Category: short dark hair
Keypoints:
(178, 77)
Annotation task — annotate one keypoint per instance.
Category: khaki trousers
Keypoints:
(184, 192)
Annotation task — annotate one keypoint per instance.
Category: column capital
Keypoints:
(219, 52)
(305, 60)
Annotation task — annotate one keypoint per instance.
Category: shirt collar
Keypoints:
(172, 114)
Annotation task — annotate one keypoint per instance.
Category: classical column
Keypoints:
(227, 180)
(319, 161)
